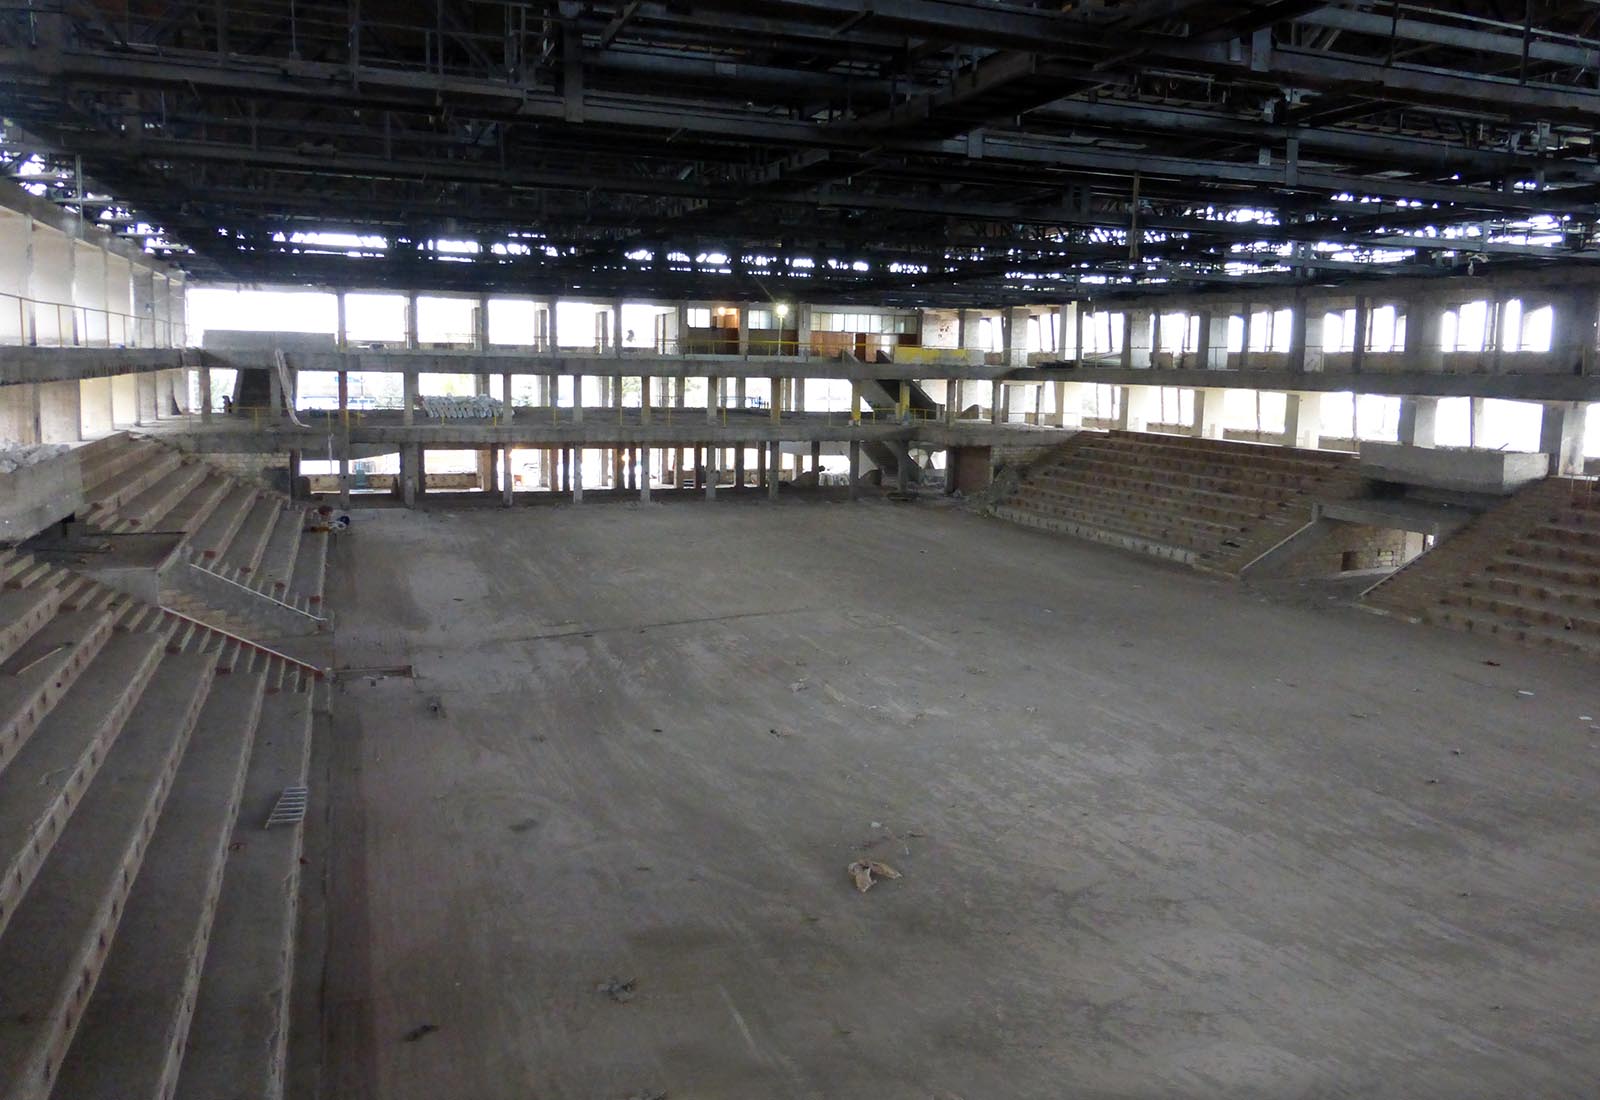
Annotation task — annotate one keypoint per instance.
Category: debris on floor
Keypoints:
(617, 989)
(647, 1094)
(524, 825)
(418, 1032)
(1524, 692)
(436, 707)
(865, 872)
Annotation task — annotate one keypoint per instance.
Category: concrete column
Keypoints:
(552, 327)
(744, 330)
(1424, 331)
(713, 399)
(1140, 406)
(341, 333)
(738, 466)
(855, 401)
(1212, 351)
(344, 473)
(802, 330)
(1475, 423)
(855, 467)
(1137, 342)
(410, 475)
(1305, 336)
(646, 398)
(713, 471)
(577, 475)
(1014, 330)
(816, 458)
(777, 400)
(408, 397)
(1572, 336)
(1358, 340)
(411, 319)
(952, 400)
(772, 471)
(761, 465)
(1302, 420)
(997, 398)
(616, 340)
(1418, 417)
(644, 474)
(577, 399)
(146, 403)
(1208, 413)
(507, 486)
(798, 394)
(740, 392)
(1561, 431)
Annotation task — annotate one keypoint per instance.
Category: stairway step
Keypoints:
(43, 670)
(146, 511)
(311, 569)
(131, 1040)
(218, 530)
(276, 570)
(240, 1031)
(45, 782)
(124, 486)
(59, 936)
(244, 551)
(193, 510)
(22, 612)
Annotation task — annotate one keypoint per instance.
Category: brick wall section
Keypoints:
(1348, 546)
(1422, 584)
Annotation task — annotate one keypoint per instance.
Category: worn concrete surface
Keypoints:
(1160, 836)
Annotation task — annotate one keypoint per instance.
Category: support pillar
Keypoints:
(1208, 413)
(408, 398)
(816, 458)
(855, 468)
(1302, 420)
(1140, 406)
(577, 399)
(713, 471)
(772, 471)
(410, 475)
(644, 474)
(577, 475)
(507, 487)
(1561, 431)
(1418, 419)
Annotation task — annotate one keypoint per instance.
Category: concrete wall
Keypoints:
(125, 400)
(17, 423)
(94, 407)
(59, 417)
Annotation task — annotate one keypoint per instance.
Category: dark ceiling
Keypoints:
(926, 151)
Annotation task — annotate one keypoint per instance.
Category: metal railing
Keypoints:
(41, 323)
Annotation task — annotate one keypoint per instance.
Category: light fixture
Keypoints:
(782, 311)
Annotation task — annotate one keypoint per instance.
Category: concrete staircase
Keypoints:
(145, 915)
(1211, 504)
(1527, 571)
(253, 538)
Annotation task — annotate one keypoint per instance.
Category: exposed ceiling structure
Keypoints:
(927, 151)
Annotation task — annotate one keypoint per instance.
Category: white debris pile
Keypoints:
(481, 407)
(13, 459)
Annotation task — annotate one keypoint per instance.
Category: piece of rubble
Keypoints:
(865, 872)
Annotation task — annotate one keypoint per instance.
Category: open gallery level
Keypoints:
(822, 550)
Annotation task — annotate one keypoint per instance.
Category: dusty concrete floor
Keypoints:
(1160, 837)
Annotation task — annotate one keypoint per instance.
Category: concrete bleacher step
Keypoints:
(38, 673)
(130, 1042)
(239, 1034)
(219, 528)
(46, 780)
(60, 934)
(1193, 501)
(1523, 563)
(1529, 610)
(22, 612)
(1583, 598)
(1541, 636)
(193, 510)
(104, 461)
(249, 543)
(276, 570)
(146, 511)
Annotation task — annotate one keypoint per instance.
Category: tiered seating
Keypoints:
(1195, 500)
(144, 911)
(248, 535)
(1543, 588)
